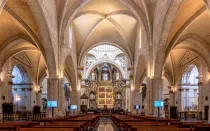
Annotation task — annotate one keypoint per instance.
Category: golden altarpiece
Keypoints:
(105, 87)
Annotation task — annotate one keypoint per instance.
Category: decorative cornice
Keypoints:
(22, 84)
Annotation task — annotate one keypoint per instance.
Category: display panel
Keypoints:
(158, 103)
(137, 107)
(73, 107)
(51, 103)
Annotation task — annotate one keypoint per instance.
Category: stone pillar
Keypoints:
(200, 96)
(179, 99)
(141, 100)
(195, 96)
(127, 98)
(149, 97)
(61, 99)
(158, 95)
(9, 88)
(172, 96)
(132, 88)
(74, 98)
(38, 98)
(52, 94)
(187, 97)
(136, 99)
(80, 70)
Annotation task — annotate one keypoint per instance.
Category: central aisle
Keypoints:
(105, 124)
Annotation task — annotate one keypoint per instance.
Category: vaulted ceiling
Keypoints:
(105, 21)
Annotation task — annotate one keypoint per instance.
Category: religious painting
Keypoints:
(109, 89)
(101, 101)
(109, 101)
(105, 95)
(108, 95)
(101, 95)
(101, 89)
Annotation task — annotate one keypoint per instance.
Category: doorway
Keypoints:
(206, 113)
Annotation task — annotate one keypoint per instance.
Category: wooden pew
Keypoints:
(8, 127)
(47, 129)
(92, 120)
(158, 128)
(202, 127)
(78, 126)
(129, 125)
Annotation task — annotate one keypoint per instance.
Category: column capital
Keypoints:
(187, 89)
(79, 71)
(199, 83)
(131, 72)
(157, 80)
(180, 89)
(131, 68)
(195, 89)
(53, 79)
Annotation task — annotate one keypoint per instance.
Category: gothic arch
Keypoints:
(71, 71)
(104, 61)
(47, 28)
(68, 17)
(140, 71)
(203, 51)
(169, 76)
(2, 4)
(160, 45)
(13, 48)
(80, 60)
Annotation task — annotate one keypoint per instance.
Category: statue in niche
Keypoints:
(92, 96)
(118, 96)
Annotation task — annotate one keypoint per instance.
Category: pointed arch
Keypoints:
(48, 29)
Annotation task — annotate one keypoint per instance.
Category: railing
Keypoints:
(190, 115)
(21, 116)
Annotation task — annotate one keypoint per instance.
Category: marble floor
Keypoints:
(105, 124)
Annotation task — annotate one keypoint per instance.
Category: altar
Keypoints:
(105, 96)
(105, 88)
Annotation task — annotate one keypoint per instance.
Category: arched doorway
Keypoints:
(21, 89)
(105, 71)
(190, 89)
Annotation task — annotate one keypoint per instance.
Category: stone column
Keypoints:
(79, 71)
(158, 95)
(132, 88)
(61, 99)
(141, 101)
(73, 98)
(38, 98)
(187, 97)
(9, 88)
(200, 96)
(195, 96)
(1, 85)
(179, 99)
(149, 97)
(127, 98)
(137, 98)
(172, 96)
(52, 94)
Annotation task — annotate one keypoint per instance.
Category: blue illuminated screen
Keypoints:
(51, 103)
(158, 103)
(137, 107)
(73, 107)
